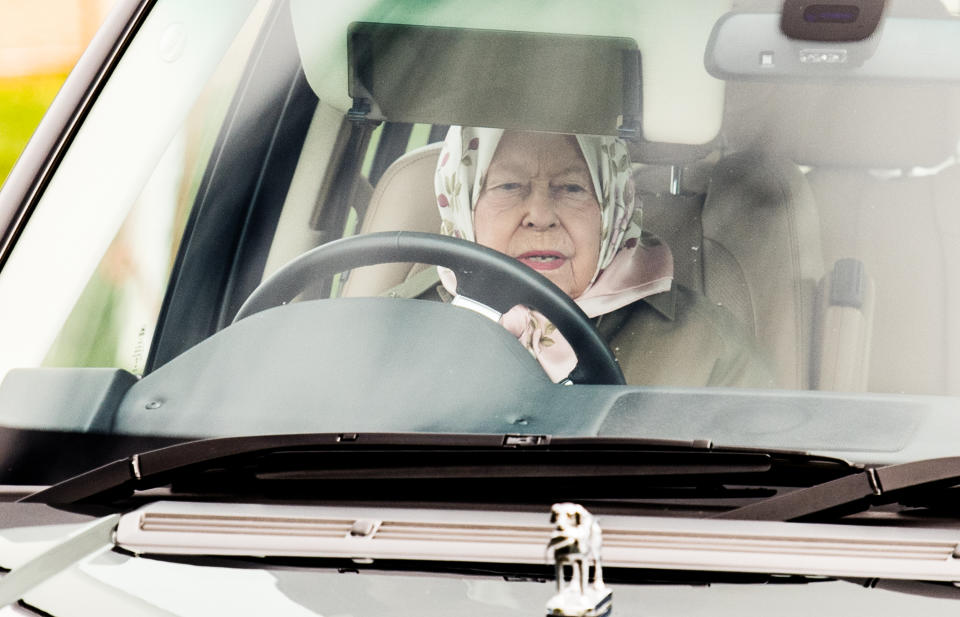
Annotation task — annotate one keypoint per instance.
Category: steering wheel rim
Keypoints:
(483, 275)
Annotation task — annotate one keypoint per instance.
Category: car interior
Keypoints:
(792, 212)
(793, 216)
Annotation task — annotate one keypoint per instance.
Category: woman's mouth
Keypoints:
(542, 260)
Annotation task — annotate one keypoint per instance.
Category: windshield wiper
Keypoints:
(872, 486)
(440, 467)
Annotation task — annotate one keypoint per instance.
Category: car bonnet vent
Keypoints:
(445, 532)
(521, 537)
(184, 523)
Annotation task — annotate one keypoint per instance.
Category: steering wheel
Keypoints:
(484, 276)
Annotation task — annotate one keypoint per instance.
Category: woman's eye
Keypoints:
(573, 190)
(508, 186)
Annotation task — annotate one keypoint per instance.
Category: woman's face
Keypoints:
(537, 205)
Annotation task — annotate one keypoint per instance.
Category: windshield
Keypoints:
(698, 223)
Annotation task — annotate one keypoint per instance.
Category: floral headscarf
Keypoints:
(628, 269)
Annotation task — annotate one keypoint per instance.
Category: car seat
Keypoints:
(882, 168)
(743, 231)
(403, 200)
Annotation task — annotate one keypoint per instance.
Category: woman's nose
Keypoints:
(541, 211)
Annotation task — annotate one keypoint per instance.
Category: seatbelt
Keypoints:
(415, 284)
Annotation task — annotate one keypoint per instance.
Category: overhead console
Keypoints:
(859, 40)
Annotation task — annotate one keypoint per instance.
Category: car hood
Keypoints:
(185, 558)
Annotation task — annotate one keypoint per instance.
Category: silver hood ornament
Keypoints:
(574, 548)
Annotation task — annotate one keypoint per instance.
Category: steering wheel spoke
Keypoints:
(477, 307)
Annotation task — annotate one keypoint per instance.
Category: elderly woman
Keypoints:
(564, 205)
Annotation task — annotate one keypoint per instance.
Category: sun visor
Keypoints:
(876, 126)
(467, 82)
(504, 79)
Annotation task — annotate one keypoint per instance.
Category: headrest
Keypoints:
(866, 125)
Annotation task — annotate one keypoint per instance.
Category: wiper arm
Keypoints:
(853, 493)
(356, 463)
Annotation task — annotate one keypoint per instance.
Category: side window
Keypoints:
(113, 319)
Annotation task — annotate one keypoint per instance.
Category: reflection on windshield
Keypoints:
(772, 241)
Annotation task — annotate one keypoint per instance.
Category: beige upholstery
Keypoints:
(762, 256)
(403, 200)
(843, 332)
(744, 232)
(905, 230)
(862, 143)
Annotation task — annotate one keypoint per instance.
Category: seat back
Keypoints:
(762, 257)
(743, 231)
(403, 200)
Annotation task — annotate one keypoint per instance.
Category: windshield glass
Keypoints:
(740, 236)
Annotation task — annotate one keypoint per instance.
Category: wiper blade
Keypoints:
(872, 486)
(357, 463)
(93, 537)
